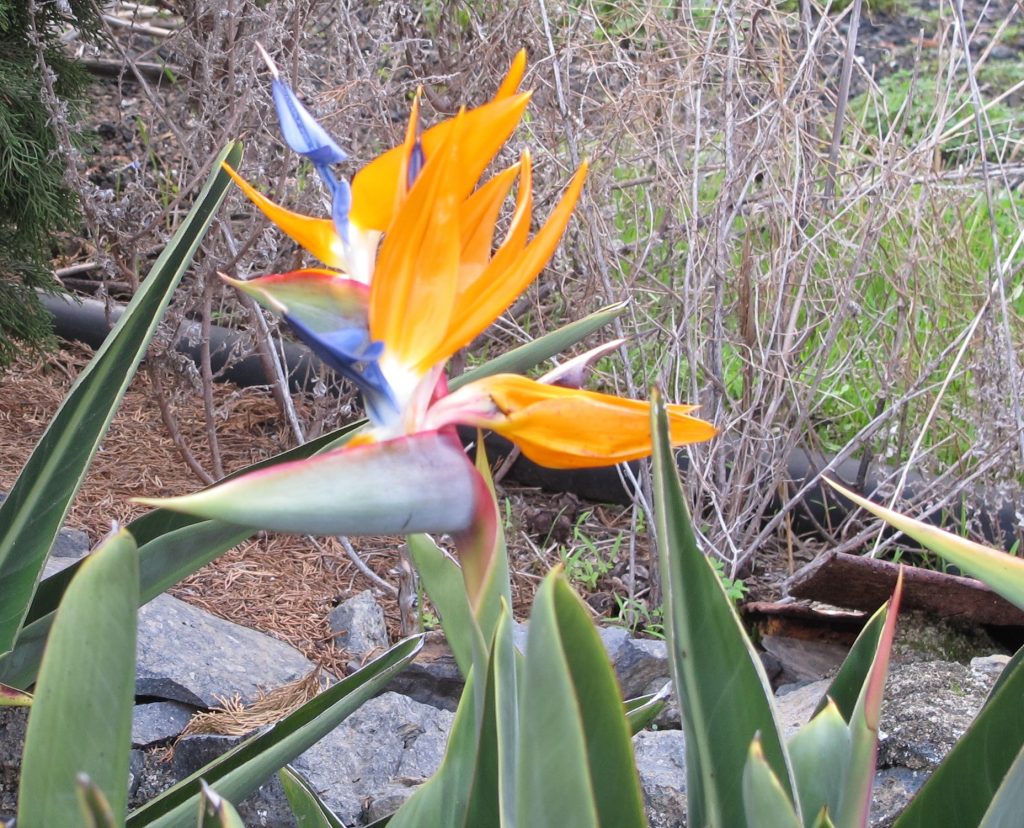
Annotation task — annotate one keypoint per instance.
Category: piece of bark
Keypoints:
(866, 583)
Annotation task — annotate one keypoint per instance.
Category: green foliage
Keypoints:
(35, 202)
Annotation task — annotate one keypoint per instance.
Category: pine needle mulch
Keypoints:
(281, 585)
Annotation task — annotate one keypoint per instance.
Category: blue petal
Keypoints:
(417, 158)
(341, 202)
(301, 131)
(351, 353)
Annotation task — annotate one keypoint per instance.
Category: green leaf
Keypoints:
(1008, 803)
(846, 687)
(554, 784)
(766, 802)
(1003, 573)
(307, 808)
(609, 749)
(724, 695)
(442, 581)
(215, 811)
(521, 359)
(820, 755)
(418, 483)
(93, 804)
(34, 510)
(855, 799)
(962, 788)
(239, 772)
(643, 710)
(82, 713)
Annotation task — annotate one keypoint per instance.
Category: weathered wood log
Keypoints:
(864, 583)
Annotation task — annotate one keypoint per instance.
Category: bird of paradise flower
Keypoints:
(415, 275)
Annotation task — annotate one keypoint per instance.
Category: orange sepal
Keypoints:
(318, 236)
(565, 428)
(375, 186)
(505, 278)
(413, 289)
(477, 217)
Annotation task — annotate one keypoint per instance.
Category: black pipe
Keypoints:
(87, 320)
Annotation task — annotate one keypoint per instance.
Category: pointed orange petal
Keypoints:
(318, 236)
(486, 129)
(513, 78)
(477, 217)
(505, 278)
(413, 289)
(566, 428)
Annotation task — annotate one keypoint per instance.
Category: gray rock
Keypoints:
(928, 706)
(158, 721)
(185, 654)
(893, 790)
(359, 624)
(382, 751)
(12, 738)
(434, 677)
(804, 660)
(661, 765)
(992, 665)
(794, 708)
(638, 663)
(70, 543)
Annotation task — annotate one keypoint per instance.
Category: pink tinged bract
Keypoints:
(420, 483)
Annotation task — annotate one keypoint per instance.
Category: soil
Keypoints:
(286, 586)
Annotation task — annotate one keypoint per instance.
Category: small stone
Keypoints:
(794, 708)
(991, 665)
(660, 760)
(804, 660)
(71, 543)
(158, 721)
(359, 624)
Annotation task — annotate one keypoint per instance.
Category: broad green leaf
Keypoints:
(724, 695)
(1003, 573)
(419, 483)
(962, 788)
(215, 811)
(643, 710)
(521, 359)
(34, 510)
(307, 808)
(13, 697)
(846, 686)
(442, 580)
(82, 712)
(93, 804)
(1007, 806)
(239, 772)
(554, 784)
(506, 665)
(820, 755)
(766, 802)
(612, 768)
(855, 798)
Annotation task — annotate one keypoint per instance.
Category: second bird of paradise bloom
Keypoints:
(415, 275)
